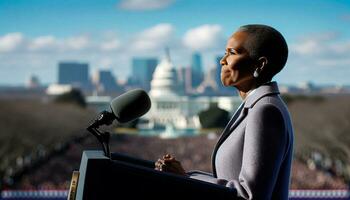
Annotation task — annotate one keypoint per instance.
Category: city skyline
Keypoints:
(36, 35)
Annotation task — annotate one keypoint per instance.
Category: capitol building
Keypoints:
(170, 107)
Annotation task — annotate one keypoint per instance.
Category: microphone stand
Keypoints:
(103, 138)
(105, 118)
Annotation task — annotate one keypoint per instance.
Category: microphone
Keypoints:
(130, 105)
(124, 108)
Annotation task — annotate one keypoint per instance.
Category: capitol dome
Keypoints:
(165, 81)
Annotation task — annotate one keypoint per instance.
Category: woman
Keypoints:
(254, 152)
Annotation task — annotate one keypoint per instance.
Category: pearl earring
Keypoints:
(256, 74)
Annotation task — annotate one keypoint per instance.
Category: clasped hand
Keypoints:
(169, 164)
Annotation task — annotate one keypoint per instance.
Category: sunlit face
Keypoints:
(237, 65)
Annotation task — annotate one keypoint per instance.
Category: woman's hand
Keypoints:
(169, 164)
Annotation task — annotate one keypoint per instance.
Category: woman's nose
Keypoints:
(223, 61)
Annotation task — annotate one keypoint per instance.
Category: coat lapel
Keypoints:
(238, 120)
(234, 121)
(263, 90)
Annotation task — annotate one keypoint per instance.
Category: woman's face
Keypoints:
(237, 65)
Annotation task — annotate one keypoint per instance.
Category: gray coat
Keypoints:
(254, 152)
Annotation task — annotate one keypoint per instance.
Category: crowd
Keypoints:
(54, 172)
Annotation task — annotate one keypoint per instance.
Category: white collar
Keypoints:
(250, 93)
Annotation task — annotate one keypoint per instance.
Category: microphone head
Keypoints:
(130, 105)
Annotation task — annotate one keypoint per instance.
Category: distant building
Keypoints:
(308, 87)
(142, 71)
(208, 87)
(218, 72)
(185, 79)
(197, 74)
(33, 82)
(105, 82)
(303, 88)
(336, 89)
(75, 74)
(165, 80)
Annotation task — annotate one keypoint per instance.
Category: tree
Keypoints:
(213, 117)
(74, 96)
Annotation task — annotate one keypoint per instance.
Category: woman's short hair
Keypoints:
(266, 41)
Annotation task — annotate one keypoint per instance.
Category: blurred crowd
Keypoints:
(53, 170)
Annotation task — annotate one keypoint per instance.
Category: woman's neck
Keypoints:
(245, 89)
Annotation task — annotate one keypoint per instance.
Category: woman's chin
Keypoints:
(227, 82)
(223, 83)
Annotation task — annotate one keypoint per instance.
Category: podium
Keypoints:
(126, 177)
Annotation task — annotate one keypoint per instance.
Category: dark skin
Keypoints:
(237, 71)
(169, 164)
(238, 67)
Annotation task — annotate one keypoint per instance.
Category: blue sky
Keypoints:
(36, 34)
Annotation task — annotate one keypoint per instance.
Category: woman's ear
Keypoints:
(262, 62)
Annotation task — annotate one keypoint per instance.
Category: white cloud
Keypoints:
(14, 42)
(322, 46)
(26, 55)
(43, 43)
(154, 38)
(158, 31)
(105, 62)
(204, 37)
(321, 50)
(308, 47)
(340, 47)
(315, 44)
(110, 45)
(144, 4)
(77, 43)
(10, 42)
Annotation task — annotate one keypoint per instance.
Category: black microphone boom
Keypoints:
(124, 108)
(104, 118)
